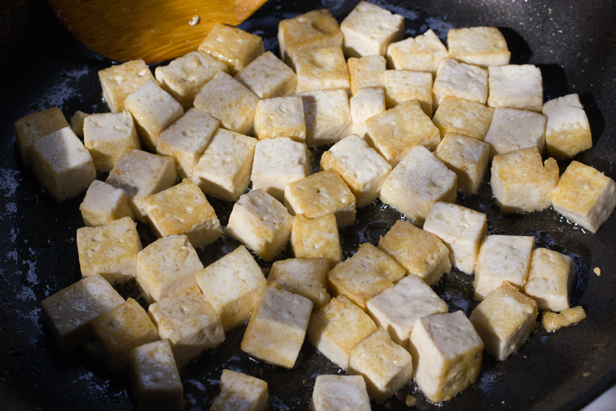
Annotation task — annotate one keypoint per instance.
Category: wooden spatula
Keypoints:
(153, 30)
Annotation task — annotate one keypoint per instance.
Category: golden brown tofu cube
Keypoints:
(303, 276)
(234, 47)
(121, 80)
(316, 238)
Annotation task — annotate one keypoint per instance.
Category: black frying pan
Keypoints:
(574, 44)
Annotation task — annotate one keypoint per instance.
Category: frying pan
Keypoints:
(574, 44)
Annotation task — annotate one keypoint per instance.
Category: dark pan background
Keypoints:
(42, 65)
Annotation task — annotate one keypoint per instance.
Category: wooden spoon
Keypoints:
(152, 30)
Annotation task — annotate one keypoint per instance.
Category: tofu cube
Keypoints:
(397, 309)
(513, 129)
(121, 80)
(183, 209)
(585, 196)
(567, 131)
(118, 331)
(260, 222)
(522, 182)
(367, 273)
(234, 47)
(140, 174)
(467, 157)
(303, 276)
(107, 135)
(340, 392)
(368, 29)
(421, 253)
(483, 46)
(321, 69)
(103, 203)
(460, 80)
(29, 129)
(315, 29)
(460, 116)
(155, 378)
(229, 101)
(327, 116)
(359, 165)
(337, 327)
(395, 132)
(550, 279)
(422, 53)
(502, 258)
(224, 168)
(368, 102)
(366, 72)
(385, 365)
(77, 122)
(417, 182)
(186, 139)
(504, 320)
(461, 229)
(168, 264)
(515, 86)
(240, 392)
(277, 163)
(277, 327)
(405, 85)
(153, 110)
(268, 77)
(447, 355)
(109, 250)
(316, 238)
(185, 75)
(188, 321)
(281, 117)
(319, 194)
(233, 285)
(62, 164)
(70, 311)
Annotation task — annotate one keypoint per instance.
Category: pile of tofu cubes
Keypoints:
(407, 121)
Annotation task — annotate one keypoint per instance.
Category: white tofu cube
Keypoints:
(155, 378)
(76, 121)
(567, 131)
(107, 135)
(268, 77)
(229, 101)
(260, 222)
(504, 320)
(422, 53)
(522, 182)
(417, 182)
(460, 80)
(303, 276)
(515, 86)
(277, 327)
(366, 72)
(62, 164)
(32, 127)
(585, 196)
(186, 139)
(109, 250)
(447, 355)
(168, 264)
(233, 285)
(153, 110)
(183, 209)
(360, 166)
(397, 309)
(188, 321)
(513, 129)
(240, 392)
(224, 168)
(327, 116)
(103, 203)
(140, 174)
(321, 69)
(502, 258)
(337, 327)
(405, 85)
(234, 47)
(368, 29)
(277, 163)
(550, 279)
(368, 102)
(121, 80)
(70, 311)
(316, 238)
(385, 365)
(281, 117)
(460, 116)
(340, 393)
(483, 46)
